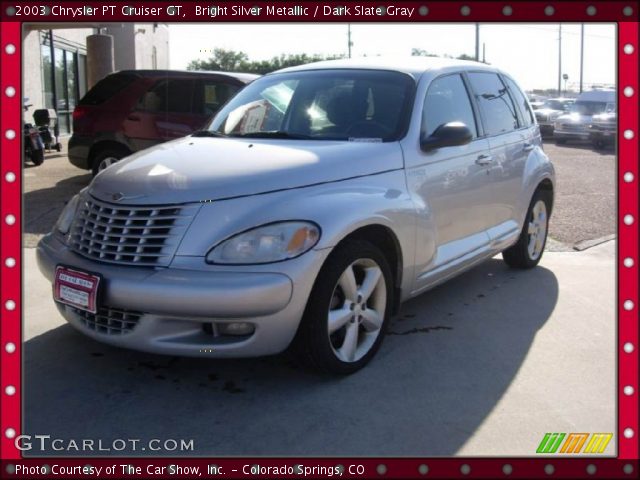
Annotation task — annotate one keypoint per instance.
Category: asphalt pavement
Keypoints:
(485, 364)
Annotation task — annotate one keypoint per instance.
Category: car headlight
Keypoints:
(266, 244)
(66, 217)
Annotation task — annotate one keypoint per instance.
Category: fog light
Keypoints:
(236, 328)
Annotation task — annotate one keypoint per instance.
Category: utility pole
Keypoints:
(484, 52)
(560, 60)
(477, 42)
(581, 54)
(349, 38)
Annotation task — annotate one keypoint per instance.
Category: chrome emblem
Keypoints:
(117, 196)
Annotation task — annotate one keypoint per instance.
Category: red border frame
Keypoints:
(564, 11)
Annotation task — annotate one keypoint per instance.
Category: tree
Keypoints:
(233, 61)
(419, 52)
(227, 60)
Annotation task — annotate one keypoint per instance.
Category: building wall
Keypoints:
(123, 45)
(148, 36)
(32, 71)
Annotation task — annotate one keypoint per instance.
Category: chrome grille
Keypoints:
(131, 235)
(109, 321)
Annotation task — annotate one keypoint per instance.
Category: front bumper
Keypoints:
(602, 135)
(571, 134)
(172, 307)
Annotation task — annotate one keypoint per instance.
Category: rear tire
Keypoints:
(107, 157)
(348, 310)
(561, 141)
(528, 250)
(37, 157)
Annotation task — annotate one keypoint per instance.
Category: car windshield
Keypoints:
(588, 108)
(365, 105)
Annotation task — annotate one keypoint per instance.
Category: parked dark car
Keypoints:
(132, 110)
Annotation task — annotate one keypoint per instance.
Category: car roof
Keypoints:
(413, 65)
(243, 77)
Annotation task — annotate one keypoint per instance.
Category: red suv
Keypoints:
(131, 110)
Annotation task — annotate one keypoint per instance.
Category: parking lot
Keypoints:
(485, 364)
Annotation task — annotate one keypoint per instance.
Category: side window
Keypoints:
(521, 100)
(172, 95)
(447, 101)
(210, 95)
(499, 112)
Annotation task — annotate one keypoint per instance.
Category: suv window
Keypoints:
(499, 112)
(107, 88)
(521, 101)
(170, 95)
(447, 101)
(210, 95)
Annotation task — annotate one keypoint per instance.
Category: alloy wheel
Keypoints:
(537, 230)
(357, 310)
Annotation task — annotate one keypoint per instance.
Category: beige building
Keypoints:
(61, 61)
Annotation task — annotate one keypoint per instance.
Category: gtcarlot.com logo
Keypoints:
(45, 443)
(574, 442)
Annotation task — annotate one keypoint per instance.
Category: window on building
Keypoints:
(63, 80)
(47, 80)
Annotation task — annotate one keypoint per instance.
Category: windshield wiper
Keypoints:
(207, 133)
(272, 134)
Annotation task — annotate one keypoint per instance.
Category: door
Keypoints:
(510, 130)
(449, 185)
(162, 113)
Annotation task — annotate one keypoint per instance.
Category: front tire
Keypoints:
(527, 252)
(348, 310)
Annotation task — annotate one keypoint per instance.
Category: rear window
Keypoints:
(107, 88)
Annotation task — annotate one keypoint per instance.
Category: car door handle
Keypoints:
(484, 159)
(528, 147)
(133, 118)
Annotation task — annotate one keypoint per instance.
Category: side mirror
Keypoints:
(450, 134)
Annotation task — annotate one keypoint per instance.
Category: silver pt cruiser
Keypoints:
(315, 202)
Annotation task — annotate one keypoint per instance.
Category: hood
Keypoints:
(605, 117)
(574, 118)
(202, 169)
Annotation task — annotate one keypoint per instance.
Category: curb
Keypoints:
(585, 244)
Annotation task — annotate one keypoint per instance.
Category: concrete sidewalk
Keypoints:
(483, 365)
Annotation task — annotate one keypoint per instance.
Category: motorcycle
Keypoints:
(33, 144)
(46, 121)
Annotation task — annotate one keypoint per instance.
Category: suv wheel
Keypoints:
(527, 252)
(347, 312)
(107, 157)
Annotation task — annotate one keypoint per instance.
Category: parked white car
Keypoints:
(317, 200)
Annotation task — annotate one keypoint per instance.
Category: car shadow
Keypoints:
(448, 359)
(42, 207)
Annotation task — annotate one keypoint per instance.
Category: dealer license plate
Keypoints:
(76, 288)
